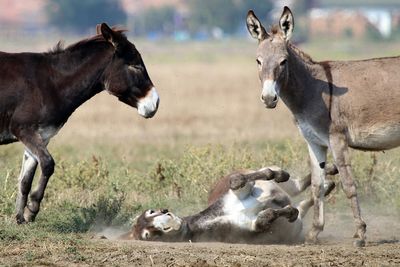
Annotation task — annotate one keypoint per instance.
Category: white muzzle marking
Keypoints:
(269, 90)
(167, 222)
(148, 105)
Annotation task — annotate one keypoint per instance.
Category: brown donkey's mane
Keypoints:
(98, 38)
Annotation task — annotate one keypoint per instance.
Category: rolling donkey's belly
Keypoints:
(375, 137)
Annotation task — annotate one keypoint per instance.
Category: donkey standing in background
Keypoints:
(336, 104)
(39, 91)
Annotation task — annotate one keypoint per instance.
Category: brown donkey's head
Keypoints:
(126, 77)
(272, 54)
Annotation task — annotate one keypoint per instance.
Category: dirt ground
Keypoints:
(140, 253)
(217, 254)
(335, 249)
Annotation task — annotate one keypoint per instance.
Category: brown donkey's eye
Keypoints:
(258, 62)
(283, 62)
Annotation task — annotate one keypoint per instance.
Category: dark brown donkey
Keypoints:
(337, 105)
(39, 91)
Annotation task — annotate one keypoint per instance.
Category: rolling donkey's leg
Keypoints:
(341, 155)
(318, 159)
(37, 147)
(241, 184)
(295, 186)
(266, 217)
(238, 180)
(306, 204)
(28, 169)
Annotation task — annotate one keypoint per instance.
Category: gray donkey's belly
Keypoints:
(375, 137)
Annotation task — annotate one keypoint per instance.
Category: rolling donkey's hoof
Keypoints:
(281, 176)
(237, 181)
(293, 214)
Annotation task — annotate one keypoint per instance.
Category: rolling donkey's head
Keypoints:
(272, 54)
(126, 76)
(157, 225)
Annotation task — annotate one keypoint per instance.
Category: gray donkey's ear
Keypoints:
(286, 23)
(254, 26)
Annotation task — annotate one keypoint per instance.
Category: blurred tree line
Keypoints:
(81, 15)
(228, 15)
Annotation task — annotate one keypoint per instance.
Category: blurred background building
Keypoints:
(206, 19)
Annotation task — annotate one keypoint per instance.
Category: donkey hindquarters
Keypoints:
(39, 91)
(337, 105)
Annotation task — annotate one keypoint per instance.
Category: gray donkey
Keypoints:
(337, 105)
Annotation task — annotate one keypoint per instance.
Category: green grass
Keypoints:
(98, 192)
(88, 195)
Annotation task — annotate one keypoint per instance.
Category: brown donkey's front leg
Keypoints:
(341, 155)
(28, 169)
(37, 149)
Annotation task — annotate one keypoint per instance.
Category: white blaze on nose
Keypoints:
(147, 106)
(167, 222)
(269, 89)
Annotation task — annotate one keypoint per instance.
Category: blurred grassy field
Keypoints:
(111, 163)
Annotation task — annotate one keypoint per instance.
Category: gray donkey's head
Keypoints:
(272, 54)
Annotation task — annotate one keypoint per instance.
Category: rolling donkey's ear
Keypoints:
(107, 33)
(255, 28)
(286, 23)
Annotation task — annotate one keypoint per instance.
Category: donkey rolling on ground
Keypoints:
(337, 105)
(252, 207)
(39, 91)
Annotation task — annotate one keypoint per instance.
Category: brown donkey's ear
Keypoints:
(107, 33)
(254, 26)
(98, 29)
(286, 23)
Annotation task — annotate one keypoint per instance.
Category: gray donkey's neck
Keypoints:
(302, 83)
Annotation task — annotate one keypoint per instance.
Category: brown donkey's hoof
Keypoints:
(20, 219)
(29, 215)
